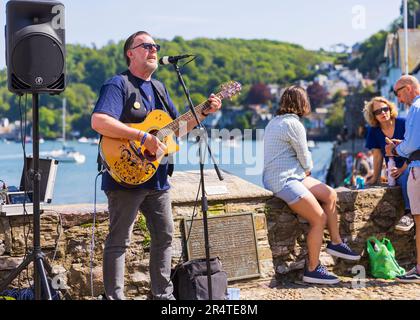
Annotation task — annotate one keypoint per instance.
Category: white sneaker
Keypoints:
(405, 224)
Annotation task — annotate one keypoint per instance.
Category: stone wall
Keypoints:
(361, 213)
(66, 233)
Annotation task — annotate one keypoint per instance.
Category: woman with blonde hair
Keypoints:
(287, 170)
(382, 117)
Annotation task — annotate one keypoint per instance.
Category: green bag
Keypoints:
(382, 259)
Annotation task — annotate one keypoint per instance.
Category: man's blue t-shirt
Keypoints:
(376, 139)
(111, 102)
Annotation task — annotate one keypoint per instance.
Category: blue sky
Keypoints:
(313, 24)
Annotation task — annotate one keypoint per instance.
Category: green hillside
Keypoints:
(218, 61)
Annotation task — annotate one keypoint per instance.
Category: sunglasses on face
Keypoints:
(398, 90)
(380, 110)
(147, 46)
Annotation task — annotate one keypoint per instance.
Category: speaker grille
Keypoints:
(20, 85)
(38, 61)
(59, 84)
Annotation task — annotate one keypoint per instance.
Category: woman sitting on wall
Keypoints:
(287, 170)
(381, 115)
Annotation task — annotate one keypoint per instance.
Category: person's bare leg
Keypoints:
(328, 200)
(309, 209)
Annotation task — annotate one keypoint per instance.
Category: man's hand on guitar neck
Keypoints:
(215, 105)
(154, 145)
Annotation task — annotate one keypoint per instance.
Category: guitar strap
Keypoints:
(162, 95)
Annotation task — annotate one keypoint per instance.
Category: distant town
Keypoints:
(337, 90)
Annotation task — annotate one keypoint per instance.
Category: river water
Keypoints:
(75, 183)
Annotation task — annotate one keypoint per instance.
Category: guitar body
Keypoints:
(131, 164)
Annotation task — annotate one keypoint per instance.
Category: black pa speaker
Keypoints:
(35, 46)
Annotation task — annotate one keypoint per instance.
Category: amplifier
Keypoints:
(12, 202)
(7, 210)
(48, 171)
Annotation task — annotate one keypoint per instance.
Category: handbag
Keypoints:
(382, 259)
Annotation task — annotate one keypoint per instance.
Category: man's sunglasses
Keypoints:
(147, 46)
(396, 91)
(379, 111)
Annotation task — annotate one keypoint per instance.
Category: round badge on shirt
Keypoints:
(137, 105)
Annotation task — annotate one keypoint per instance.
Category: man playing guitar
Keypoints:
(113, 111)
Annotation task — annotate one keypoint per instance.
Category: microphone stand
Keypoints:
(202, 138)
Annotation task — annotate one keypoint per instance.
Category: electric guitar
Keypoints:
(131, 164)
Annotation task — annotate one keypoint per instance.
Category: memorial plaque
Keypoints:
(232, 238)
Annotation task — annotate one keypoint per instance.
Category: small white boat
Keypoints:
(83, 140)
(66, 154)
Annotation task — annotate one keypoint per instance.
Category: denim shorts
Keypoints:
(293, 191)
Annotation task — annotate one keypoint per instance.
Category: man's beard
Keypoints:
(151, 66)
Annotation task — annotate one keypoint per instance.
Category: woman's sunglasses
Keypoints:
(380, 110)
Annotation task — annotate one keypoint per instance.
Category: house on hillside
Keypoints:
(353, 78)
(393, 67)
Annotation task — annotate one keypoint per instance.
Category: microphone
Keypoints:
(173, 59)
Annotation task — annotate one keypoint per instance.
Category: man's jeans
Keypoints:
(123, 209)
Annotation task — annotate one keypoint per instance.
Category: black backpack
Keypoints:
(191, 283)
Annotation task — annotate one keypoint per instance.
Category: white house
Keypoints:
(394, 66)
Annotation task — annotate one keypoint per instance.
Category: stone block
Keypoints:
(9, 263)
(362, 213)
(265, 253)
(79, 280)
(260, 222)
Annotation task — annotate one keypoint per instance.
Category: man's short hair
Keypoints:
(129, 43)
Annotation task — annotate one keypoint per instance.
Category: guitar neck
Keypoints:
(181, 122)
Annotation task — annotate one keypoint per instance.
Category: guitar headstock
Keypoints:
(230, 89)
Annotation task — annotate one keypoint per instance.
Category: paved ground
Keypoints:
(371, 289)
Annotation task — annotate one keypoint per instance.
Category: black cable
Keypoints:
(189, 61)
(59, 232)
(92, 243)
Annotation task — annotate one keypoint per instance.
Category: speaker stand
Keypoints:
(41, 287)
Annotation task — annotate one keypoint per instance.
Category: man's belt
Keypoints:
(414, 156)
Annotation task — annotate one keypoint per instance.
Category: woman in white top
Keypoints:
(287, 170)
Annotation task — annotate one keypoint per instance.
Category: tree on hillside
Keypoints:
(372, 55)
(317, 95)
(259, 94)
(413, 13)
(218, 61)
(335, 119)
